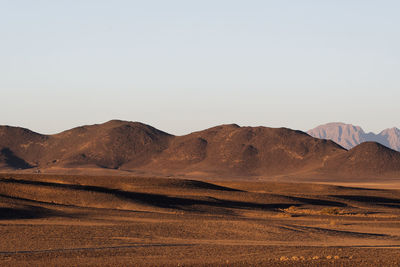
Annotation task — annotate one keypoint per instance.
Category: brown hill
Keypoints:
(107, 145)
(23, 143)
(221, 151)
(367, 159)
(233, 150)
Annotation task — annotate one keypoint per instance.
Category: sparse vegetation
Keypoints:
(332, 211)
(305, 211)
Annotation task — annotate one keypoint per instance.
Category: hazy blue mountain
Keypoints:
(348, 136)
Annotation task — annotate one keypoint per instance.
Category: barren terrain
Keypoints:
(66, 220)
(225, 151)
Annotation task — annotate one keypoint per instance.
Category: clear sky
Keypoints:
(187, 65)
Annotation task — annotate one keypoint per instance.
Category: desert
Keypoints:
(225, 196)
(64, 220)
(199, 133)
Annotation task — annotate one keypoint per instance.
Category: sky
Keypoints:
(183, 66)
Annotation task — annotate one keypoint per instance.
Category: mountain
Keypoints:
(108, 145)
(366, 159)
(349, 136)
(233, 150)
(222, 151)
(390, 138)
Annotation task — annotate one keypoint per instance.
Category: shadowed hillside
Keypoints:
(221, 151)
(368, 158)
(9, 160)
(234, 150)
(107, 145)
(23, 143)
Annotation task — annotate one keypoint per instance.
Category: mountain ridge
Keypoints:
(221, 151)
(349, 136)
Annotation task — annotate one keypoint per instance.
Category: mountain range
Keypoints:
(349, 136)
(222, 151)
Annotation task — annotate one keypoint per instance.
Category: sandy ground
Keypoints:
(111, 221)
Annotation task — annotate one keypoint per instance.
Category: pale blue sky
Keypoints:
(187, 65)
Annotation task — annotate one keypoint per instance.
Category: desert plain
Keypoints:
(127, 194)
(82, 220)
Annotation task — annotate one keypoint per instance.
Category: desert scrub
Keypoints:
(332, 211)
(291, 209)
(283, 258)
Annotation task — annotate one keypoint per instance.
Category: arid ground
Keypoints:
(57, 220)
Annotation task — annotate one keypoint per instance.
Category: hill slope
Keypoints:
(107, 145)
(234, 150)
(366, 159)
(221, 151)
(9, 161)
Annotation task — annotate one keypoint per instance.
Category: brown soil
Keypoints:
(71, 220)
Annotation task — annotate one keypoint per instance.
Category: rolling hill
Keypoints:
(366, 159)
(221, 151)
(233, 150)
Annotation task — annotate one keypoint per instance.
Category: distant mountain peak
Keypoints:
(349, 136)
